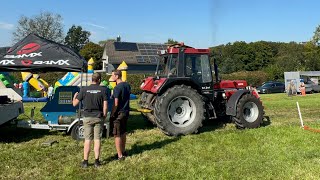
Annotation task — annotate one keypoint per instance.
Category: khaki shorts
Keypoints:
(93, 127)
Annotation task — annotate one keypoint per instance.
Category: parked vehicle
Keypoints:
(271, 87)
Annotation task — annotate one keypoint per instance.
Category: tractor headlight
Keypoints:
(224, 96)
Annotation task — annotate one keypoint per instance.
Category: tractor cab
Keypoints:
(184, 61)
(181, 64)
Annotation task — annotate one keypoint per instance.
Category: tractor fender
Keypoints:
(231, 106)
(170, 82)
(73, 123)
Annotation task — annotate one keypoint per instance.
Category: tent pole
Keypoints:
(79, 111)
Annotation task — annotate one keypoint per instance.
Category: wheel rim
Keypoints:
(81, 132)
(181, 111)
(250, 112)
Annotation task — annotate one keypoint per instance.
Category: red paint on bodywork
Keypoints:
(227, 84)
(152, 85)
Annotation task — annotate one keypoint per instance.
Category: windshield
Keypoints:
(168, 65)
(267, 85)
(197, 66)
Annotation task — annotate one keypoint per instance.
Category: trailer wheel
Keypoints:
(249, 112)
(77, 132)
(180, 111)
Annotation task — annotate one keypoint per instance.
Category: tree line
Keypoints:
(274, 58)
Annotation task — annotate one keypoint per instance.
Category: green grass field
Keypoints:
(280, 149)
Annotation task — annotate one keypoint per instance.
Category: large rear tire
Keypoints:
(249, 112)
(179, 111)
(149, 118)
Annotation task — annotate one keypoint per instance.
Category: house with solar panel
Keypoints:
(140, 57)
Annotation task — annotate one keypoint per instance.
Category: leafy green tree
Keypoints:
(76, 37)
(261, 55)
(316, 36)
(290, 56)
(46, 24)
(171, 41)
(275, 72)
(312, 57)
(92, 50)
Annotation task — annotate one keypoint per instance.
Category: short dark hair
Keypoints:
(117, 72)
(96, 77)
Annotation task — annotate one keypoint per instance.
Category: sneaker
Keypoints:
(97, 164)
(125, 153)
(122, 158)
(115, 157)
(84, 164)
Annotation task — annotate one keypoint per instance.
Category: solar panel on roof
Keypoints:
(140, 59)
(153, 59)
(147, 59)
(125, 46)
(143, 52)
(146, 50)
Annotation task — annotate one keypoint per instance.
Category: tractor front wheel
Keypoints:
(179, 111)
(249, 112)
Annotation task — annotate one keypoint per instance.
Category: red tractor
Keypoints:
(183, 93)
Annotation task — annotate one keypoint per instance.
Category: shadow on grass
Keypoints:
(137, 121)
(138, 149)
(266, 121)
(9, 134)
(213, 124)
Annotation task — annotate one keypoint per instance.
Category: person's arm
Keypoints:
(105, 108)
(116, 95)
(75, 101)
(115, 107)
(105, 102)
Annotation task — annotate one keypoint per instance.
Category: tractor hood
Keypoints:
(227, 84)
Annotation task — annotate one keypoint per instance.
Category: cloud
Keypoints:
(96, 25)
(7, 26)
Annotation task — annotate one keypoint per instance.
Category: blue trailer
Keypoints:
(60, 114)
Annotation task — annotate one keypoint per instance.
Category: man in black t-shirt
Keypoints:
(94, 100)
(120, 113)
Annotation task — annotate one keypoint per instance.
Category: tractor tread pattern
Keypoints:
(240, 124)
(159, 103)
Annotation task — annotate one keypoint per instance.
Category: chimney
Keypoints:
(118, 38)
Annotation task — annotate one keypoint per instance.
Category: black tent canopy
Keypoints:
(37, 54)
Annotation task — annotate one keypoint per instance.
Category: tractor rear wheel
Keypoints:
(179, 111)
(249, 112)
(149, 118)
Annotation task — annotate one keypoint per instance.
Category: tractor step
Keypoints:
(144, 110)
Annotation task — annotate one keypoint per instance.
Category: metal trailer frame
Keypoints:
(297, 76)
(31, 124)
